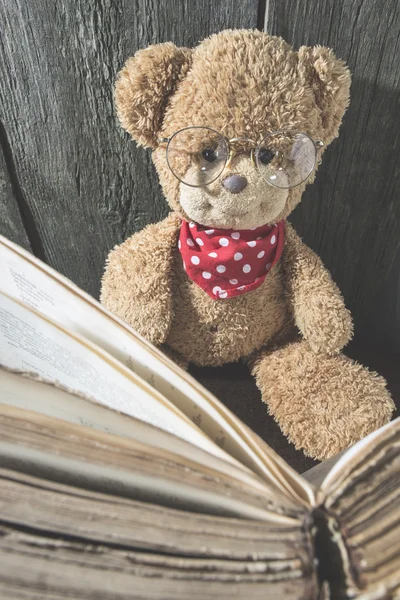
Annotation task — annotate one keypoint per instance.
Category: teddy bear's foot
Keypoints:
(323, 404)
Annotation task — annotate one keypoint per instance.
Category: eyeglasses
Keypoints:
(197, 156)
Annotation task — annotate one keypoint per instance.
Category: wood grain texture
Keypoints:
(86, 185)
(385, 312)
(351, 214)
(11, 222)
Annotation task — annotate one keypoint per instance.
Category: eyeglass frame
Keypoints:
(318, 144)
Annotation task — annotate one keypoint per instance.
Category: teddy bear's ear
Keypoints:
(143, 87)
(330, 80)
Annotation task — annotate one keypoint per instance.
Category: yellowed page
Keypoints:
(32, 393)
(350, 459)
(36, 284)
(53, 449)
(31, 342)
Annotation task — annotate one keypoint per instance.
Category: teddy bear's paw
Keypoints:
(329, 328)
(323, 404)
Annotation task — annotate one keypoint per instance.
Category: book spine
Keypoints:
(336, 563)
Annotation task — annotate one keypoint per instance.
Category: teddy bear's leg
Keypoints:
(322, 403)
(180, 360)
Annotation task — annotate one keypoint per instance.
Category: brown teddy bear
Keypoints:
(237, 127)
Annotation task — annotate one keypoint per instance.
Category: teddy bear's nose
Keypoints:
(234, 183)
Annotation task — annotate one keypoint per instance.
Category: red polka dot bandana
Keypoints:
(227, 263)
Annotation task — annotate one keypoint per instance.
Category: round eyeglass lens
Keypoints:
(197, 155)
(286, 158)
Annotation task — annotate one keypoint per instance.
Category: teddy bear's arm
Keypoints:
(136, 283)
(318, 306)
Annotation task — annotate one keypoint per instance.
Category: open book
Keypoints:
(122, 477)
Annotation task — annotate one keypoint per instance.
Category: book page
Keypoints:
(36, 284)
(349, 459)
(30, 342)
(33, 393)
(216, 558)
(70, 453)
(362, 494)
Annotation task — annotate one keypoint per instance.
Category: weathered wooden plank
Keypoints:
(11, 224)
(351, 214)
(86, 184)
(384, 316)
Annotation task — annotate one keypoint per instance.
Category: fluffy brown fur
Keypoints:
(245, 83)
(342, 398)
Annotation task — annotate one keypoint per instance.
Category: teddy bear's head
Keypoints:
(236, 124)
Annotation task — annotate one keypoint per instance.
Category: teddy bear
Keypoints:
(237, 127)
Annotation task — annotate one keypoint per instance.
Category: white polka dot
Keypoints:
(179, 244)
(268, 266)
(195, 260)
(209, 231)
(251, 244)
(191, 224)
(235, 235)
(241, 287)
(233, 281)
(206, 275)
(273, 239)
(190, 242)
(223, 294)
(252, 229)
(200, 241)
(184, 266)
(238, 256)
(216, 289)
(259, 237)
(246, 268)
(223, 242)
(221, 269)
(213, 254)
(260, 254)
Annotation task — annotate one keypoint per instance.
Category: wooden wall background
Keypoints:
(72, 184)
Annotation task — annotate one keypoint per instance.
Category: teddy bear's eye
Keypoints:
(209, 154)
(265, 155)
